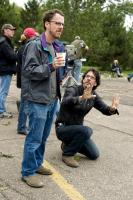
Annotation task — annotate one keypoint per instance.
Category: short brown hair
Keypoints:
(48, 15)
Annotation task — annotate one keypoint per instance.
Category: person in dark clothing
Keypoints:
(8, 60)
(20, 50)
(76, 104)
(28, 34)
(129, 77)
(116, 68)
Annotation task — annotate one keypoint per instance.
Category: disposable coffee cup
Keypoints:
(63, 55)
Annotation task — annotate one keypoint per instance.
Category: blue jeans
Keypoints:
(117, 70)
(57, 109)
(77, 140)
(5, 82)
(40, 122)
(22, 117)
(77, 69)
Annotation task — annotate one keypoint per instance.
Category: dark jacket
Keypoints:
(19, 64)
(115, 67)
(19, 61)
(7, 57)
(37, 69)
(73, 111)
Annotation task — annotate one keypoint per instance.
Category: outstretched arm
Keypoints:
(104, 108)
(115, 104)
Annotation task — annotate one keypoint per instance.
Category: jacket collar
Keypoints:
(58, 46)
(2, 39)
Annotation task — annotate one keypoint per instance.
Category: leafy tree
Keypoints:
(100, 25)
(8, 13)
(30, 15)
(129, 63)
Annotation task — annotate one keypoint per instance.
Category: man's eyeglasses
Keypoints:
(58, 23)
(91, 77)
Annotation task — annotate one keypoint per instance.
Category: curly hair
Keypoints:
(96, 74)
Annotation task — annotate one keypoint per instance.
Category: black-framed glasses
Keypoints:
(58, 23)
(91, 77)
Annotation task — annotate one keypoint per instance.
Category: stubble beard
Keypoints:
(56, 34)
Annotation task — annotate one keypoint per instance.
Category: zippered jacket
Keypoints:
(8, 57)
(37, 69)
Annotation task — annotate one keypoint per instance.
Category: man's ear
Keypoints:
(46, 24)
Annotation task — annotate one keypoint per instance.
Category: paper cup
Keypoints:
(63, 55)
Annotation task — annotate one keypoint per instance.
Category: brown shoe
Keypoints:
(62, 146)
(44, 171)
(33, 181)
(69, 160)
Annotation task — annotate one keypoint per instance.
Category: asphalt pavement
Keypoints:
(108, 178)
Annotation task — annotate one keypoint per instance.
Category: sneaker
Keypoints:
(44, 171)
(6, 115)
(62, 146)
(128, 78)
(33, 181)
(120, 75)
(21, 133)
(70, 161)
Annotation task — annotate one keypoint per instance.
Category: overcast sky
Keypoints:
(19, 2)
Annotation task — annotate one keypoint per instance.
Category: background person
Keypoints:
(129, 77)
(28, 34)
(80, 50)
(41, 70)
(76, 104)
(8, 60)
(116, 68)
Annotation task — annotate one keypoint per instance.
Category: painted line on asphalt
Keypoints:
(63, 184)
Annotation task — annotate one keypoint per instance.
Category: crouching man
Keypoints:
(76, 104)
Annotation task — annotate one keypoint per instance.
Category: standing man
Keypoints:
(7, 65)
(80, 49)
(41, 71)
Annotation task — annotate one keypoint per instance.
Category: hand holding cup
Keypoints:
(60, 59)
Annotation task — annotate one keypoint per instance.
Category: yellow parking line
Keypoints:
(63, 184)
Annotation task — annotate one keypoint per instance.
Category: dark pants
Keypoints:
(77, 140)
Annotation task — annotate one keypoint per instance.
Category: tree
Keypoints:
(30, 15)
(8, 13)
(129, 61)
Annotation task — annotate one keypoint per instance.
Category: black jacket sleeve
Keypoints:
(8, 52)
(103, 107)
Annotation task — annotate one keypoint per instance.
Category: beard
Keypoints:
(55, 34)
(87, 84)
